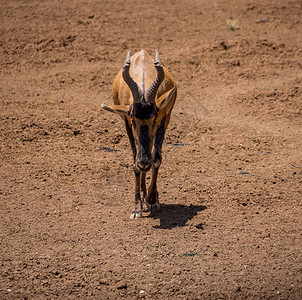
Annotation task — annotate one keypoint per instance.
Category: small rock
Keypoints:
(238, 289)
(122, 286)
(103, 282)
(262, 20)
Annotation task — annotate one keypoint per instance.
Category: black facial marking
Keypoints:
(144, 138)
(143, 110)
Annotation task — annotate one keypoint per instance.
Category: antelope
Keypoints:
(144, 94)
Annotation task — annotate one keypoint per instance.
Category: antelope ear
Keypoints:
(121, 110)
(166, 100)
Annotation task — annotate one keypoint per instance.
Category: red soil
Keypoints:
(230, 226)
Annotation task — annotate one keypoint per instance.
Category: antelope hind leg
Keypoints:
(152, 200)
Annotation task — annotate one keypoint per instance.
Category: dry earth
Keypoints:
(230, 182)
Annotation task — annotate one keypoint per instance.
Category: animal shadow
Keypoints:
(176, 215)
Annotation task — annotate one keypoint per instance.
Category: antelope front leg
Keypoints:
(137, 213)
(143, 187)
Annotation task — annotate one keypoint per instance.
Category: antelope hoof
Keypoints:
(155, 207)
(136, 215)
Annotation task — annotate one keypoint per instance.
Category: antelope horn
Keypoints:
(151, 93)
(135, 90)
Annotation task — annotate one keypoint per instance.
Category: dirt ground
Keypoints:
(230, 181)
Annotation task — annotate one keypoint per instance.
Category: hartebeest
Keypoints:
(144, 94)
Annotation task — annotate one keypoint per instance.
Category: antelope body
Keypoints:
(144, 94)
